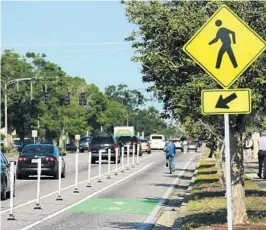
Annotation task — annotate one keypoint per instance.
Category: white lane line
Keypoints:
(84, 199)
(152, 217)
(63, 189)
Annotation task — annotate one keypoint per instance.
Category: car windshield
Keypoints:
(102, 140)
(38, 150)
(157, 137)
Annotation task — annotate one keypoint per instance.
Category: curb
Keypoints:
(183, 205)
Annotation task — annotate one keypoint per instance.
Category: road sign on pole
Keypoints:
(220, 101)
(34, 133)
(223, 58)
(225, 33)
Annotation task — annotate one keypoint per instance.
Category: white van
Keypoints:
(157, 141)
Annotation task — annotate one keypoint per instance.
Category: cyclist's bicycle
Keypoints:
(170, 164)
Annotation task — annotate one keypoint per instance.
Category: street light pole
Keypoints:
(6, 133)
(31, 96)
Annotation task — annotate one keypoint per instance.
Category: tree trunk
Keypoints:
(220, 165)
(239, 211)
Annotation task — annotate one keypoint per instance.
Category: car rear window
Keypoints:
(143, 141)
(193, 143)
(102, 140)
(38, 150)
(125, 139)
(157, 137)
(84, 139)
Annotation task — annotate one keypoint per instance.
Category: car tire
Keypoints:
(149, 152)
(82, 150)
(93, 161)
(18, 176)
(140, 154)
(4, 192)
(56, 175)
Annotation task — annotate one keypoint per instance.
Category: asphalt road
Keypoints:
(127, 201)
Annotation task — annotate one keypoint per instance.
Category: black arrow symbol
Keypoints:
(222, 102)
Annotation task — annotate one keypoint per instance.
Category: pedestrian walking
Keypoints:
(248, 147)
(262, 152)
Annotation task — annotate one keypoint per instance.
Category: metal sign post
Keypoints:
(228, 172)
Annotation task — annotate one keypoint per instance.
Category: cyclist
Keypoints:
(170, 149)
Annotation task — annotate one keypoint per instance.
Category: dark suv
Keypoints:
(103, 143)
(5, 177)
(84, 144)
(130, 140)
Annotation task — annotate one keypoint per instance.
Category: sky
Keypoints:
(85, 38)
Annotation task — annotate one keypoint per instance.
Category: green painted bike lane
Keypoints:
(115, 206)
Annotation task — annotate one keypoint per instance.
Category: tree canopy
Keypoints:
(163, 29)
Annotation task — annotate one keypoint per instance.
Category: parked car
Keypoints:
(192, 145)
(49, 154)
(145, 146)
(179, 144)
(103, 143)
(157, 142)
(5, 177)
(84, 144)
(131, 141)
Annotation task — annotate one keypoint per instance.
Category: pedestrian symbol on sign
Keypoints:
(224, 35)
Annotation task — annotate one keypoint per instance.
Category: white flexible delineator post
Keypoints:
(12, 176)
(59, 197)
(89, 171)
(76, 171)
(39, 169)
(109, 164)
(100, 167)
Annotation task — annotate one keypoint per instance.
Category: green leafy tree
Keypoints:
(164, 28)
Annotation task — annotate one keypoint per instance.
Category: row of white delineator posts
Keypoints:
(59, 197)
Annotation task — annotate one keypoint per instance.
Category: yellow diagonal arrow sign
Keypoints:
(219, 101)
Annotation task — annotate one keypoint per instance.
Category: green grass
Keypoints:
(207, 201)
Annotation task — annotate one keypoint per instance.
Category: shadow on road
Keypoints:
(135, 225)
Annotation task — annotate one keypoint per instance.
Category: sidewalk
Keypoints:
(251, 170)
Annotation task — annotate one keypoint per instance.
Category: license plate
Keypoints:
(34, 160)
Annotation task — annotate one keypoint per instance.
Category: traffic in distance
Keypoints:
(26, 163)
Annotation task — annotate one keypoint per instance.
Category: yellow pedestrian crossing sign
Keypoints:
(225, 46)
(226, 101)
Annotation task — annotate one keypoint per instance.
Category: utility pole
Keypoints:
(6, 132)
